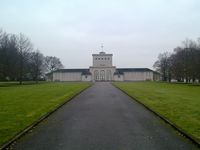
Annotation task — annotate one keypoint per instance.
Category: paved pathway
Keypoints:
(103, 118)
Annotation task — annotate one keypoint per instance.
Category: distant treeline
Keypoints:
(19, 60)
(182, 65)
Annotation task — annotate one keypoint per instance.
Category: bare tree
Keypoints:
(12, 57)
(18, 60)
(3, 47)
(183, 64)
(1, 34)
(8, 56)
(37, 63)
(163, 65)
(24, 49)
(52, 63)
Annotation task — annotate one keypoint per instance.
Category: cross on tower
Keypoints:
(102, 47)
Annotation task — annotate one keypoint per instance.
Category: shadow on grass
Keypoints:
(9, 84)
(183, 83)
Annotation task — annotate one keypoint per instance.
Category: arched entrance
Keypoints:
(102, 75)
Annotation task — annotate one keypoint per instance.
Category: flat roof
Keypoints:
(122, 70)
(102, 54)
(83, 71)
(118, 70)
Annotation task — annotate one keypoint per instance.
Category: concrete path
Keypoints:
(103, 118)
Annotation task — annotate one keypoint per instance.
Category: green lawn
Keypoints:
(180, 103)
(20, 105)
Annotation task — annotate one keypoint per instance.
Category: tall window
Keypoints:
(96, 75)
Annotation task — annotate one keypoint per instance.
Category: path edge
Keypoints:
(174, 126)
(16, 137)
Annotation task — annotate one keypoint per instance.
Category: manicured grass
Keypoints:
(179, 103)
(21, 105)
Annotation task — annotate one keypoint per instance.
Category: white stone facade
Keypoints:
(103, 70)
(102, 60)
(67, 76)
(138, 76)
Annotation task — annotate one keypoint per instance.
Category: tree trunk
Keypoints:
(21, 71)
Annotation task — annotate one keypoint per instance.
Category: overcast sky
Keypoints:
(135, 31)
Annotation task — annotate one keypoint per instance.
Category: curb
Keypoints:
(177, 128)
(11, 142)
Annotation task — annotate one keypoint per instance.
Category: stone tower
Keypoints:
(102, 68)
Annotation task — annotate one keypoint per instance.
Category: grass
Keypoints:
(179, 103)
(14, 83)
(21, 105)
